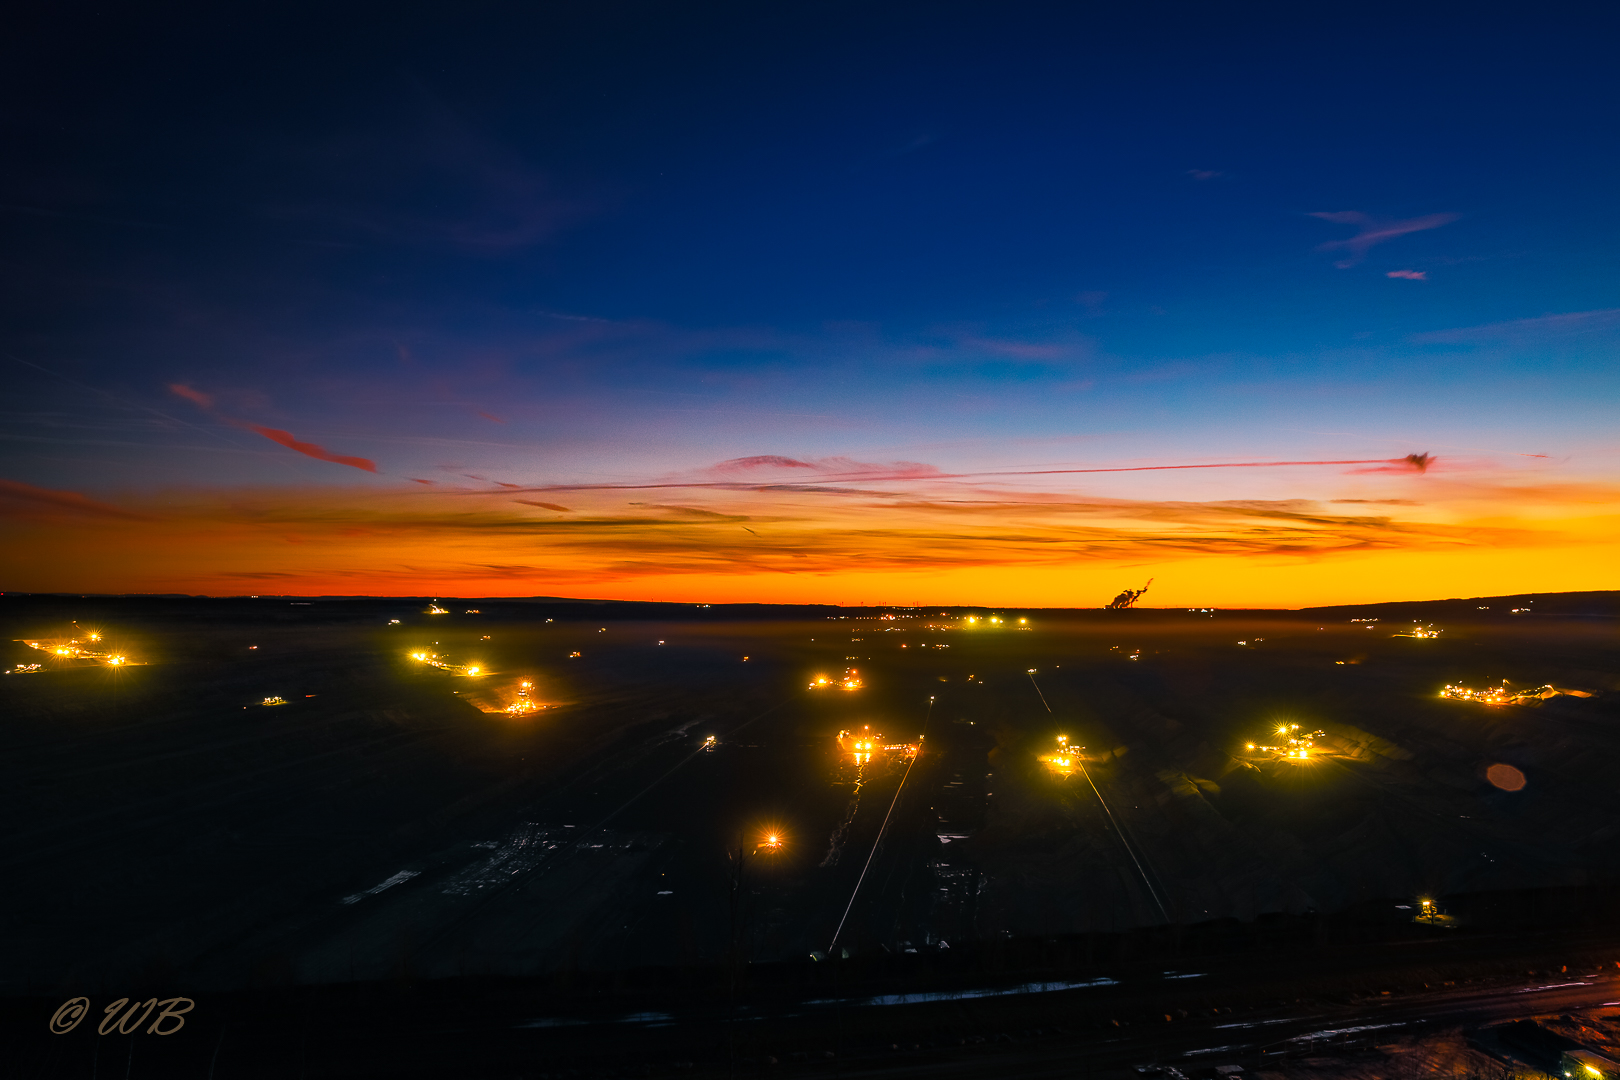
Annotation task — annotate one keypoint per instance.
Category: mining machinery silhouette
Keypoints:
(1128, 598)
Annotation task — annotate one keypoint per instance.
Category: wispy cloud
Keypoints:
(1374, 231)
(309, 449)
(27, 499)
(1603, 320)
(774, 472)
(1019, 350)
(277, 435)
(821, 470)
(761, 461)
(196, 397)
(1409, 275)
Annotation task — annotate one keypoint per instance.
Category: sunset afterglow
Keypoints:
(904, 341)
(1481, 527)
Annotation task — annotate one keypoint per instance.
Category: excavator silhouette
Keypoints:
(1128, 598)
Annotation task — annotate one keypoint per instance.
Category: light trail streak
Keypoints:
(881, 830)
(1123, 842)
(1037, 686)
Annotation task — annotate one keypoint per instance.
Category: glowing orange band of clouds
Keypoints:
(952, 544)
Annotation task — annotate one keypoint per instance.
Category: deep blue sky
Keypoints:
(594, 241)
(714, 165)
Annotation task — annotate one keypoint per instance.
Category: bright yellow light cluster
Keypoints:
(1294, 745)
(524, 703)
(976, 620)
(863, 744)
(1065, 758)
(1501, 695)
(851, 680)
(74, 649)
(432, 659)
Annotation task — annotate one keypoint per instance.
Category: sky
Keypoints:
(996, 304)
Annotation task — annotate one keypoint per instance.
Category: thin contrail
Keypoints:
(1415, 462)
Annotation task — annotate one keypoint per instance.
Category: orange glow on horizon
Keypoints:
(1013, 549)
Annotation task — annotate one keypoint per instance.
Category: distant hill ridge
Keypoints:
(1603, 604)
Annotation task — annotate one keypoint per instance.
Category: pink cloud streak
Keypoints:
(285, 438)
(1374, 231)
(309, 449)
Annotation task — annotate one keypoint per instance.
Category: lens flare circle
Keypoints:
(1505, 777)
